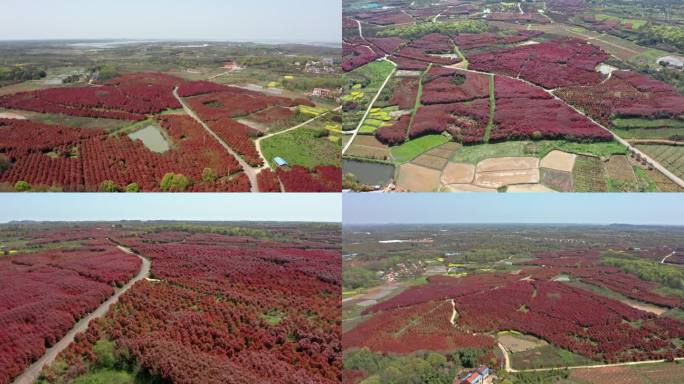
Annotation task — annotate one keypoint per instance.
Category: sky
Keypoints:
(236, 20)
(319, 207)
(570, 208)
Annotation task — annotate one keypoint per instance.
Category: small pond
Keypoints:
(152, 138)
(369, 173)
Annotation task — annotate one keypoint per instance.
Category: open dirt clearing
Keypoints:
(433, 162)
(10, 115)
(515, 343)
(507, 164)
(415, 178)
(458, 173)
(646, 307)
(619, 168)
(499, 179)
(557, 180)
(559, 161)
(368, 146)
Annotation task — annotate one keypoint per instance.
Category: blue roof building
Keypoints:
(280, 161)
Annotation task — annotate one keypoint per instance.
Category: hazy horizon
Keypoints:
(294, 21)
(510, 208)
(82, 207)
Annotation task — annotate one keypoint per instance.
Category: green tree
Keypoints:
(108, 186)
(208, 175)
(22, 186)
(104, 352)
(174, 182)
(133, 187)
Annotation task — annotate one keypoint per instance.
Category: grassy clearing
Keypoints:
(648, 133)
(107, 377)
(307, 147)
(636, 23)
(628, 123)
(476, 153)
(548, 356)
(414, 148)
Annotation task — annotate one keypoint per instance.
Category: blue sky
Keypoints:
(163, 206)
(244, 20)
(597, 208)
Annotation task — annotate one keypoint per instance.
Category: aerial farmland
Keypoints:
(482, 96)
(169, 302)
(180, 115)
(509, 303)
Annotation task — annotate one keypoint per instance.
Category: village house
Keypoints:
(480, 376)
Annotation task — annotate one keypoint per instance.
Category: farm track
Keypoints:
(257, 142)
(667, 257)
(370, 106)
(250, 171)
(31, 374)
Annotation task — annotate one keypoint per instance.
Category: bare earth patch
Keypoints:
(429, 161)
(10, 115)
(499, 179)
(646, 307)
(507, 164)
(619, 168)
(415, 178)
(529, 188)
(368, 146)
(439, 152)
(560, 181)
(458, 173)
(515, 343)
(621, 375)
(560, 161)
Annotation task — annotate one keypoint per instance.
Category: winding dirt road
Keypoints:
(257, 142)
(32, 373)
(250, 171)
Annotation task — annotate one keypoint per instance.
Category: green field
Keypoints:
(305, 146)
(413, 148)
(671, 157)
(547, 356)
(636, 23)
(476, 153)
(628, 123)
(589, 175)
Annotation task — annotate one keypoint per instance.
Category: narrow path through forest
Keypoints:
(31, 374)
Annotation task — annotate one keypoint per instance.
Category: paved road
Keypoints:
(257, 142)
(250, 171)
(32, 373)
(370, 106)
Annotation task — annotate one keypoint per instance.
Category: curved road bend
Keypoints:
(250, 171)
(31, 374)
(257, 142)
